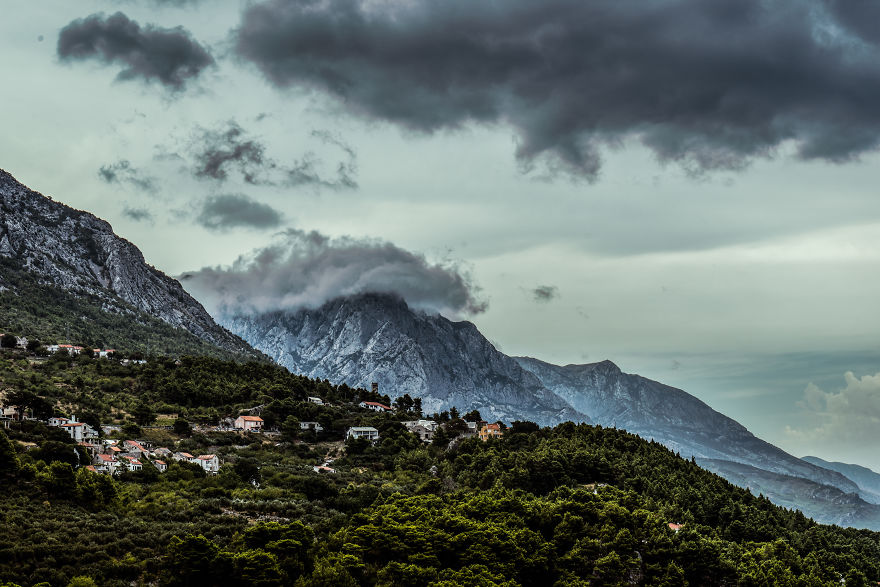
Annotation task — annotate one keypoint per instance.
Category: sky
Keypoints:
(685, 187)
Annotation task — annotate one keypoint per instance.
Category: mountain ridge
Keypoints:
(376, 337)
(79, 253)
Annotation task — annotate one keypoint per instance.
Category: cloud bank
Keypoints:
(305, 269)
(170, 56)
(226, 211)
(849, 415)
(709, 85)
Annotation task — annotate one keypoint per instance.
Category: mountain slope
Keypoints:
(867, 480)
(671, 416)
(79, 254)
(374, 337)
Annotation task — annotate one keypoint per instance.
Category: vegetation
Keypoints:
(572, 505)
(49, 314)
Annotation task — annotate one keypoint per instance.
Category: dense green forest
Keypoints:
(49, 314)
(571, 505)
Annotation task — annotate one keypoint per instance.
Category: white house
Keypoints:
(183, 456)
(311, 426)
(56, 421)
(375, 406)
(106, 463)
(162, 466)
(79, 431)
(316, 400)
(365, 432)
(210, 463)
(249, 423)
(424, 429)
(132, 463)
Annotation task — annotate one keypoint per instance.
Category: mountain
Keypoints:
(867, 480)
(823, 503)
(71, 256)
(670, 416)
(378, 338)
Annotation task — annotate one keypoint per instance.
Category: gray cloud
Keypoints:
(545, 293)
(222, 212)
(170, 56)
(708, 85)
(850, 414)
(305, 269)
(122, 172)
(138, 214)
(219, 151)
(229, 148)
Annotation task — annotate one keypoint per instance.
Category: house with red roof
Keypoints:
(210, 463)
(375, 406)
(249, 423)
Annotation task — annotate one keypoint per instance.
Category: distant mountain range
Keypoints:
(377, 338)
(72, 256)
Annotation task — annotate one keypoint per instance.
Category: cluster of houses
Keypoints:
(425, 430)
(112, 456)
(77, 350)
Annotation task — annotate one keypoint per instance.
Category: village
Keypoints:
(113, 456)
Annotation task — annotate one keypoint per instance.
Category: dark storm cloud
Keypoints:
(122, 172)
(709, 84)
(305, 269)
(545, 293)
(229, 148)
(138, 214)
(170, 56)
(222, 212)
(219, 151)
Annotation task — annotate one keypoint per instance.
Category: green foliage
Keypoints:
(573, 505)
(52, 314)
(8, 460)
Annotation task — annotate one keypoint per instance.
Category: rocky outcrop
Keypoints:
(79, 253)
(373, 337)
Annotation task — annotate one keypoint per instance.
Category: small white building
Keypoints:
(79, 431)
(316, 400)
(162, 466)
(365, 432)
(375, 406)
(183, 456)
(249, 423)
(311, 426)
(424, 429)
(132, 464)
(210, 463)
(106, 463)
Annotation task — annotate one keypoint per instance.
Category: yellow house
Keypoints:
(490, 431)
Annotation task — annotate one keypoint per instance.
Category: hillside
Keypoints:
(571, 505)
(360, 339)
(65, 270)
(867, 480)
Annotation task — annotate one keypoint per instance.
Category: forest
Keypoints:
(570, 505)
